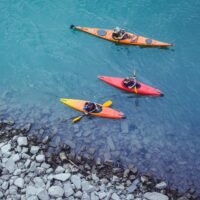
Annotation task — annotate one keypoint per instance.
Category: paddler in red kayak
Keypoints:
(119, 34)
(130, 82)
(91, 107)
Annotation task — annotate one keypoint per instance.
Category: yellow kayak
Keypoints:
(105, 111)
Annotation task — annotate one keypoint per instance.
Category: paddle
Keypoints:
(106, 104)
(134, 76)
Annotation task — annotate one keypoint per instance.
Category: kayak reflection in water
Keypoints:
(130, 82)
(119, 34)
(91, 107)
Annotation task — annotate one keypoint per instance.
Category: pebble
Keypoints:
(78, 194)
(19, 182)
(115, 196)
(75, 179)
(62, 176)
(6, 148)
(161, 185)
(34, 149)
(102, 195)
(43, 195)
(155, 196)
(68, 189)
(22, 141)
(56, 191)
(59, 169)
(40, 158)
(94, 196)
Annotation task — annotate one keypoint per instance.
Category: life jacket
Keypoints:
(89, 106)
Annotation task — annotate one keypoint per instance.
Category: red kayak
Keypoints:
(141, 88)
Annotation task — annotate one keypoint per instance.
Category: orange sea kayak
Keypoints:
(105, 112)
(132, 38)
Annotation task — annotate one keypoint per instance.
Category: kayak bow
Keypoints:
(132, 38)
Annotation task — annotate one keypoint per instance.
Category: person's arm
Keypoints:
(122, 36)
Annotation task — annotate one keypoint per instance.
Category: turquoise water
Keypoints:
(41, 59)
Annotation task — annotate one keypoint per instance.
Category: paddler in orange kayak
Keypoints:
(91, 107)
(119, 34)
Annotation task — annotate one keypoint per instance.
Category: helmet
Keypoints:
(116, 29)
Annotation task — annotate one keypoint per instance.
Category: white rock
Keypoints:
(62, 176)
(78, 194)
(87, 187)
(6, 148)
(19, 182)
(39, 182)
(75, 179)
(161, 185)
(95, 178)
(85, 196)
(32, 198)
(33, 166)
(15, 157)
(10, 165)
(130, 197)
(22, 141)
(25, 150)
(31, 191)
(68, 189)
(43, 195)
(40, 158)
(115, 196)
(34, 149)
(94, 196)
(102, 195)
(17, 172)
(1, 195)
(27, 163)
(59, 170)
(13, 190)
(56, 191)
(45, 165)
(155, 196)
(4, 186)
(49, 170)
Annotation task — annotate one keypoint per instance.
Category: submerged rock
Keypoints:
(161, 185)
(155, 196)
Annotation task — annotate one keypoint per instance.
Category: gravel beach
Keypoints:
(29, 170)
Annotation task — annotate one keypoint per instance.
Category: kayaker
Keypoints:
(130, 82)
(119, 34)
(91, 107)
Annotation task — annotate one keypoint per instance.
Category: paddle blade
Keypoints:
(135, 89)
(76, 119)
(107, 103)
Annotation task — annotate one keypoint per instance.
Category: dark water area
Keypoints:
(42, 60)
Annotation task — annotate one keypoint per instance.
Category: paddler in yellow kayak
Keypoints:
(91, 107)
(119, 34)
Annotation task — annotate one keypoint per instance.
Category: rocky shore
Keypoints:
(31, 168)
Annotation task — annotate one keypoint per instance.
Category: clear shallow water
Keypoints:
(41, 59)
